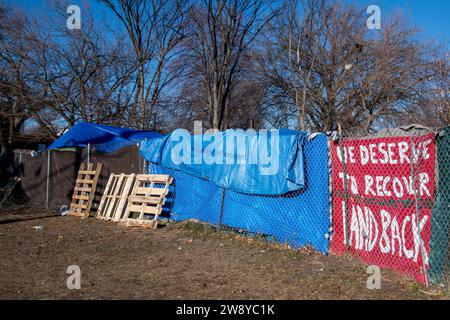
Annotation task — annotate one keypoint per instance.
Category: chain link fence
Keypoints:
(440, 220)
(384, 198)
(298, 219)
(47, 179)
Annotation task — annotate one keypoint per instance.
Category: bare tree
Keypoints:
(154, 29)
(17, 91)
(221, 31)
(334, 70)
(434, 105)
(309, 65)
(78, 72)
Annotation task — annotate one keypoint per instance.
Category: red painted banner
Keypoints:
(382, 209)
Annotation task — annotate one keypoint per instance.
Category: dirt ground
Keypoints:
(178, 261)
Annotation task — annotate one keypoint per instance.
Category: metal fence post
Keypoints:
(344, 169)
(144, 166)
(222, 201)
(88, 153)
(142, 163)
(416, 202)
(47, 189)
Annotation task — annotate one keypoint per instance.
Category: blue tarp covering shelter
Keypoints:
(103, 138)
(292, 205)
(263, 162)
(299, 218)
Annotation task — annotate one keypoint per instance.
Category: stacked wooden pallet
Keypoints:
(115, 196)
(148, 197)
(143, 194)
(84, 190)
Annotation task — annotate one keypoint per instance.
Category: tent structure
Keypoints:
(103, 138)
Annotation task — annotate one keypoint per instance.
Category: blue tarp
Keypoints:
(263, 162)
(298, 218)
(103, 138)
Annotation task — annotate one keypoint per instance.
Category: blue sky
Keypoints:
(431, 16)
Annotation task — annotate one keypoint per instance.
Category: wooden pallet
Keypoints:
(84, 190)
(147, 198)
(115, 197)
